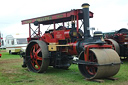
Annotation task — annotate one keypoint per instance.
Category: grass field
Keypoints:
(11, 73)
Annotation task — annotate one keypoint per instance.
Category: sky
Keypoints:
(109, 15)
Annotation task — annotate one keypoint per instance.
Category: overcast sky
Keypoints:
(109, 15)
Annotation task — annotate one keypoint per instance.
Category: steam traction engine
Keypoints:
(119, 41)
(57, 47)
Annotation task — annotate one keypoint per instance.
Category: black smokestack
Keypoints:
(86, 19)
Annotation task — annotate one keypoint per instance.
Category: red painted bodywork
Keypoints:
(72, 50)
(66, 34)
(59, 35)
(87, 47)
(49, 38)
(122, 37)
(54, 36)
(0, 55)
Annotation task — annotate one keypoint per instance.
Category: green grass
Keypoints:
(9, 56)
(11, 73)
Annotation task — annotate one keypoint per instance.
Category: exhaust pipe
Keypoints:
(87, 37)
(85, 9)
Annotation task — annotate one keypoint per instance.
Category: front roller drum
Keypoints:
(108, 64)
(37, 56)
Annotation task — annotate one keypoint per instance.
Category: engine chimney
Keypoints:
(86, 20)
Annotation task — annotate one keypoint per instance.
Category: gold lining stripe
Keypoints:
(86, 6)
(98, 34)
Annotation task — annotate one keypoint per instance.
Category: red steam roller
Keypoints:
(58, 46)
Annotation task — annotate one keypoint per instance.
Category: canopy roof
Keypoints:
(57, 18)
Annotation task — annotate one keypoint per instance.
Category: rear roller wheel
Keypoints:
(114, 44)
(37, 56)
(103, 57)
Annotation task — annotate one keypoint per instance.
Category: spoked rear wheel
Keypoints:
(37, 56)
